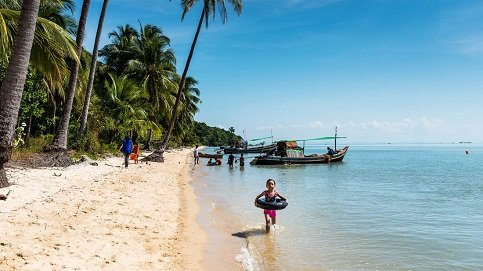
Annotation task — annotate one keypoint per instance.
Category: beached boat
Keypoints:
(210, 155)
(257, 149)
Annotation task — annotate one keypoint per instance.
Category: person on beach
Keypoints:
(231, 160)
(196, 155)
(270, 196)
(217, 161)
(242, 160)
(135, 153)
(126, 149)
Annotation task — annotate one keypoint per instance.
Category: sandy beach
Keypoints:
(102, 217)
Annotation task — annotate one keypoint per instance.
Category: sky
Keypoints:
(382, 71)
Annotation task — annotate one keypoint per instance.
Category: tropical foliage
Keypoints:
(214, 136)
(136, 87)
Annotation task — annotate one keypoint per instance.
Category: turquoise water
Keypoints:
(406, 207)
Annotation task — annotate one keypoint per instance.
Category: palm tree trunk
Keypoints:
(59, 143)
(92, 72)
(14, 81)
(181, 83)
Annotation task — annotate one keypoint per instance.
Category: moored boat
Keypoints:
(295, 157)
(211, 155)
(289, 152)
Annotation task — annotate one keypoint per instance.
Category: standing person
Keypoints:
(135, 153)
(231, 159)
(270, 196)
(196, 155)
(126, 148)
(242, 160)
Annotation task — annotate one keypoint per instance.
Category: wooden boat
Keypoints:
(257, 149)
(274, 159)
(288, 152)
(210, 155)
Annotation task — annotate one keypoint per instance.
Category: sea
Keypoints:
(385, 207)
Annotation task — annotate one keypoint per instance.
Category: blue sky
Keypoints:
(400, 71)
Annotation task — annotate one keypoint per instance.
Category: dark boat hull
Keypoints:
(278, 160)
(260, 149)
(209, 155)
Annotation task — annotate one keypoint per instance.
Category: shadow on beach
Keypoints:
(248, 233)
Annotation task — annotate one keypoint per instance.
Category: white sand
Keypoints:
(102, 217)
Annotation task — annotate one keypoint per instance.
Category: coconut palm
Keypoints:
(117, 54)
(144, 56)
(60, 139)
(209, 8)
(90, 83)
(13, 83)
(52, 44)
(126, 102)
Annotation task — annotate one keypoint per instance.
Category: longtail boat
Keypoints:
(289, 152)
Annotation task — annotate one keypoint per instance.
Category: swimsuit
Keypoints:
(270, 213)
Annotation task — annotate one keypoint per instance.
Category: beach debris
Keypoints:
(46, 159)
(156, 156)
(57, 175)
(85, 159)
(4, 197)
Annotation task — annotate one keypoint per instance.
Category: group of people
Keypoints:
(231, 159)
(130, 150)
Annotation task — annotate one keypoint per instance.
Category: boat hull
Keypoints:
(278, 160)
(209, 155)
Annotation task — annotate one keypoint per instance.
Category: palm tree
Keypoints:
(117, 54)
(127, 105)
(13, 84)
(154, 65)
(52, 43)
(90, 83)
(144, 56)
(59, 142)
(209, 8)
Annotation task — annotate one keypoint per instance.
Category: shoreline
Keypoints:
(222, 251)
(102, 217)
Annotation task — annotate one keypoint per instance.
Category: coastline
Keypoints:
(222, 250)
(102, 217)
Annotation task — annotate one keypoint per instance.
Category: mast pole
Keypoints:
(335, 139)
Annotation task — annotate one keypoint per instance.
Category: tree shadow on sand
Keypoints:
(248, 233)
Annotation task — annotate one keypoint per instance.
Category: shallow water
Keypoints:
(405, 207)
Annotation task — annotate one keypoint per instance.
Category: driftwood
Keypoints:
(4, 197)
(156, 156)
(85, 159)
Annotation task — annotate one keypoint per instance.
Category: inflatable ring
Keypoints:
(278, 204)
